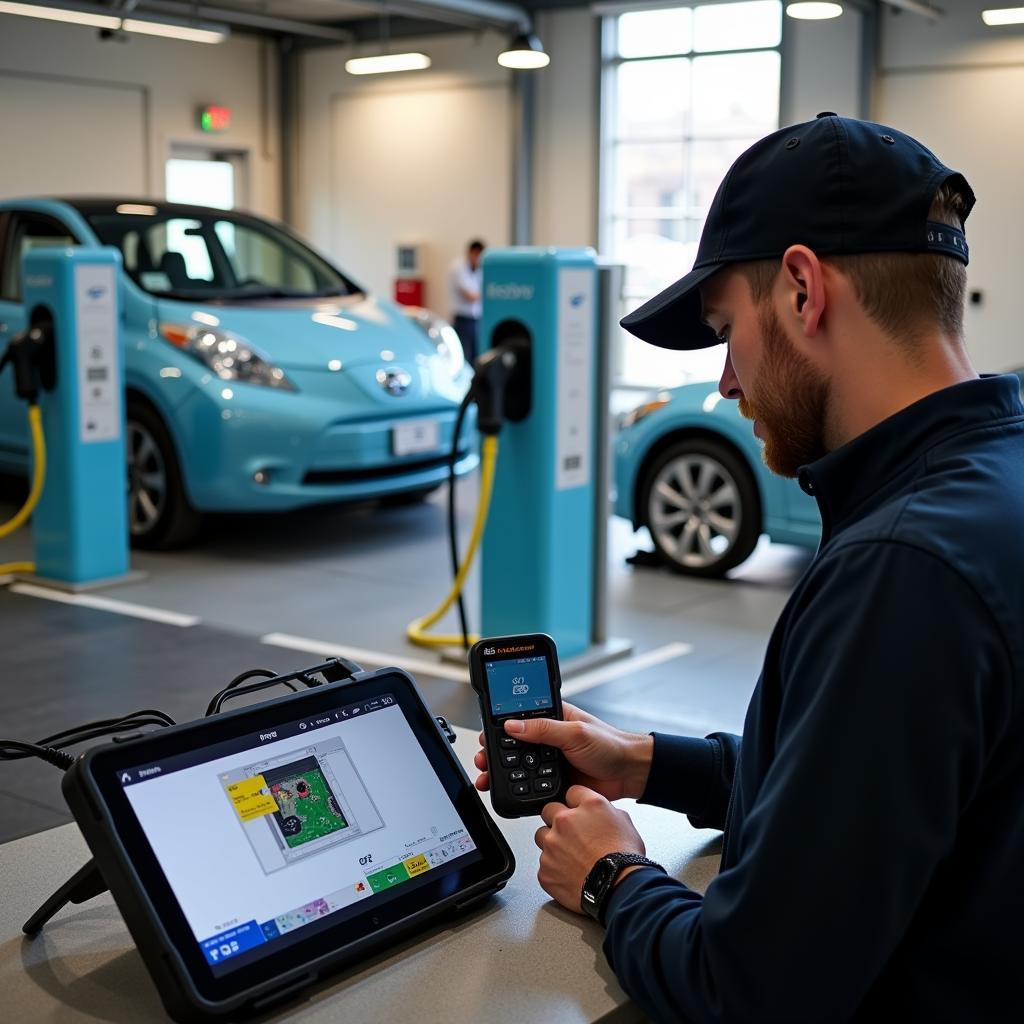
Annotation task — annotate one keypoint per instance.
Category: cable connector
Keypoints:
(30, 353)
(501, 375)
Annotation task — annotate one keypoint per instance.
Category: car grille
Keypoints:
(351, 476)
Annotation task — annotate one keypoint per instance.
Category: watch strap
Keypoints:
(619, 862)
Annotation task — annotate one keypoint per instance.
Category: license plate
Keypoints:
(416, 436)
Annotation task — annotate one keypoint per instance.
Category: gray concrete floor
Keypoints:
(355, 576)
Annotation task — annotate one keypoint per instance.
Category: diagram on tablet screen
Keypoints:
(297, 804)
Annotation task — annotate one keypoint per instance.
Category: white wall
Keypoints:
(421, 157)
(80, 115)
(958, 86)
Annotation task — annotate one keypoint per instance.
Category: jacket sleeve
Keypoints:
(893, 691)
(693, 776)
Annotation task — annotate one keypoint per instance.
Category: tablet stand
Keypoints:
(83, 885)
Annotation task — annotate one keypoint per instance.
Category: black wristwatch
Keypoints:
(601, 880)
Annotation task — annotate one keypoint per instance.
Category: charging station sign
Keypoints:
(575, 377)
(99, 390)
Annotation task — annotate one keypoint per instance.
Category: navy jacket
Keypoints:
(873, 859)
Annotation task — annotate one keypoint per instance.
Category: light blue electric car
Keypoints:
(258, 376)
(688, 467)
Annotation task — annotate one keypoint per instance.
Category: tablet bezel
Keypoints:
(329, 942)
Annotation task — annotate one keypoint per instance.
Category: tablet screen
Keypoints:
(268, 837)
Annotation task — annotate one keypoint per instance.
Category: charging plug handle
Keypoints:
(31, 355)
(494, 371)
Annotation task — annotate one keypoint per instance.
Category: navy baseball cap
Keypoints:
(834, 184)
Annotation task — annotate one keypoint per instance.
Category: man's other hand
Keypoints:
(574, 836)
(607, 760)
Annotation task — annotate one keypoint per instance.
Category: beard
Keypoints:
(790, 401)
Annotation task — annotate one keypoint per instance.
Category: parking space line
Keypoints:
(438, 669)
(106, 604)
(620, 669)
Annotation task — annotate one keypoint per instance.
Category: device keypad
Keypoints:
(529, 769)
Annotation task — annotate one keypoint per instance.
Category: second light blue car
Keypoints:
(688, 467)
(258, 377)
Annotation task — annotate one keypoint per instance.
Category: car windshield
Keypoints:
(217, 258)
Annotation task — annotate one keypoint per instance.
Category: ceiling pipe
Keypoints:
(917, 7)
(233, 16)
(471, 13)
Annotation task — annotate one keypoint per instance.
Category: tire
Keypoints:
(700, 502)
(404, 498)
(159, 513)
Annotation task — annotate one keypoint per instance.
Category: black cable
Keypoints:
(151, 716)
(218, 698)
(58, 758)
(453, 540)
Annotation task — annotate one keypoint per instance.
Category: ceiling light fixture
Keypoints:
(203, 32)
(59, 14)
(387, 62)
(1003, 16)
(525, 53)
(94, 17)
(814, 11)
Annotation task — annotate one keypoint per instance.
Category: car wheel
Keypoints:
(159, 513)
(701, 506)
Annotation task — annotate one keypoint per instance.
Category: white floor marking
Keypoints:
(624, 668)
(106, 604)
(438, 669)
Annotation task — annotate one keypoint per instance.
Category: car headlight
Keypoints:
(645, 410)
(441, 334)
(227, 355)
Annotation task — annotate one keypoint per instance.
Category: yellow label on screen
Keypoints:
(416, 865)
(249, 799)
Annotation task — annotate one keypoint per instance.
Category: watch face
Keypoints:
(596, 886)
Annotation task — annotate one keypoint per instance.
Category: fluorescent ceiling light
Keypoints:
(190, 33)
(387, 62)
(1003, 16)
(814, 11)
(524, 54)
(59, 14)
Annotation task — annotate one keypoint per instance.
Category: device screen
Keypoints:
(517, 685)
(264, 836)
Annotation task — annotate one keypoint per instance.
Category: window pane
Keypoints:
(738, 94)
(737, 26)
(653, 33)
(653, 99)
(708, 163)
(649, 176)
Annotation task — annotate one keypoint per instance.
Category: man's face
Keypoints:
(776, 386)
(474, 257)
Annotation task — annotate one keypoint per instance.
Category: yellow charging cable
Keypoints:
(417, 631)
(35, 423)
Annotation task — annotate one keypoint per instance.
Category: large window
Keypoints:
(686, 89)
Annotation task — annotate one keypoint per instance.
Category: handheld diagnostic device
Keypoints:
(252, 852)
(517, 677)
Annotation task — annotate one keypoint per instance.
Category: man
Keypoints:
(466, 284)
(874, 824)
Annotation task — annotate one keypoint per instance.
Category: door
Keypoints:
(25, 231)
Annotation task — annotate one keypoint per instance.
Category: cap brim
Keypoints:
(672, 319)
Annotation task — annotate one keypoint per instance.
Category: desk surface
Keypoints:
(519, 958)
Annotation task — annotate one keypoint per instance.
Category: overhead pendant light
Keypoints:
(1003, 16)
(202, 32)
(814, 11)
(525, 53)
(387, 62)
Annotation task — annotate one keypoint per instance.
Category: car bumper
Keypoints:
(259, 449)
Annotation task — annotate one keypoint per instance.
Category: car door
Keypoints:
(22, 231)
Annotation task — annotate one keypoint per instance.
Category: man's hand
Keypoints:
(574, 837)
(605, 759)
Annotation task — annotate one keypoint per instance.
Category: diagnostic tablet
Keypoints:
(251, 852)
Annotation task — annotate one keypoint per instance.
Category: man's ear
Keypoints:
(802, 277)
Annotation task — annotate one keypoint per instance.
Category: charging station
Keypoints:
(80, 528)
(542, 566)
